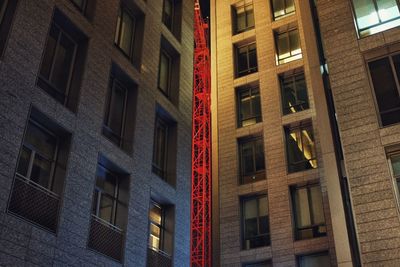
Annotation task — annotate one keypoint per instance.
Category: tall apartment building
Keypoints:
(362, 46)
(95, 132)
(277, 192)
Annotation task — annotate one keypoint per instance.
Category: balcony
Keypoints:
(106, 238)
(159, 258)
(34, 203)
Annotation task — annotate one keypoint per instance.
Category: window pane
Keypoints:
(155, 214)
(259, 157)
(49, 52)
(106, 181)
(240, 19)
(245, 105)
(308, 146)
(164, 77)
(263, 206)
(386, 91)
(127, 30)
(302, 208)
(155, 235)
(317, 206)
(396, 61)
(247, 158)
(264, 226)
(242, 60)
(262, 264)
(294, 42)
(283, 46)
(117, 108)
(41, 170)
(250, 15)
(23, 162)
(168, 13)
(252, 57)
(289, 6)
(121, 216)
(365, 13)
(105, 209)
(43, 142)
(395, 160)
(62, 63)
(250, 209)
(314, 261)
(80, 3)
(279, 7)
(387, 9)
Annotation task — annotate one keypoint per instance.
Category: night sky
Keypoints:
(205, 7)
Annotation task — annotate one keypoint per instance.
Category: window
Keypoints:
(394, 160)
(62, 62)
(373, 16)
(249, 106)
(287, 45)
(259, 264)
(120, 110)
(171, 16)
(385, 76)
(252, 165)
(40, 173)
(243, 16)
(246, 59)
(308, 211)
(81, 4)
(160, 235)
(314, 260)
(129, 33)
(164, 150)
(255, 222)
(168, 71)
(7, 10)
(300, 147)
(294, 92)
(282, 8)
(109, 210)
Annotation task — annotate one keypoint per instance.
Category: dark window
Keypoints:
(308, 212)
(168, 71)
(255, 222)
(294, 92)
(109, 211)
(40, 174)
(314, 260)
(164, 148)
(394, 160)
(62, 61)
(243, 16)
(374, 16)
(246, 59)
(385, 75)
(252, 165)
(160, 235)
(7, 10)
(300, 147)
(119, 114)
(125, 32)
(171, 16)
(259, 264)
(249, 106)
(282, 8)
(81, 4)
(288, 45)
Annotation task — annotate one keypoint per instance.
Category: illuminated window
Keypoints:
(294, 92)
(282, 8)
(385, 76)
(157, 221)
(300, 147)
(287, 45)
(243, 16)
(246, 59)
(249, 106)
(251, 154)
(308, 211)
(314, 260)
(255, 222)
(374, 16)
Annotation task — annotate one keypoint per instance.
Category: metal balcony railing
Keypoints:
(34, 203)
(159, 258)
(106, 238)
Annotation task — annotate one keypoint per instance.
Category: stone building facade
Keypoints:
(95, 115)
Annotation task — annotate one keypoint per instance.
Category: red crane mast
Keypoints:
(201, 147)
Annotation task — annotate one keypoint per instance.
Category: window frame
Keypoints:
(243, 200)
(291, 57)
(395, 179)
(396, 80)
(32, 156)
(159, 226)
(292, 77)
(249, 70)
(314, 226)
(360, 31)
(161, 171)
(117, 39)
(257, 175)
(299, 126)
(242, 4)
(239, 94)
(120, 138)
(164, 53)
(170, 27)
(275, 18)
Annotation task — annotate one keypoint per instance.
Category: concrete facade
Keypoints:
(365, 141)
(25, 244)
(283, 250)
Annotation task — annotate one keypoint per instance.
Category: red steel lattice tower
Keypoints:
(201, 147)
